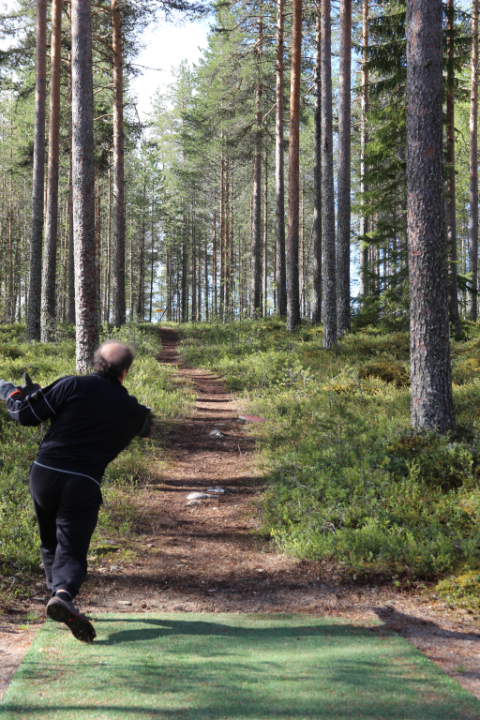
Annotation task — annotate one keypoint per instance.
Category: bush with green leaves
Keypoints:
(347, 479)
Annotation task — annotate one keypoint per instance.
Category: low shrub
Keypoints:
(347, 480)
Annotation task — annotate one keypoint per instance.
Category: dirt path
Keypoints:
(210, 557)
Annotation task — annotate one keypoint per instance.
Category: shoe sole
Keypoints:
(78, 624)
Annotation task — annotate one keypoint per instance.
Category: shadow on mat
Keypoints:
(163, 628)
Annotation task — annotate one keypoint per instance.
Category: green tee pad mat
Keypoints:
(182, 666)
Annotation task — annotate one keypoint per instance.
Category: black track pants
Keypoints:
(67, 510)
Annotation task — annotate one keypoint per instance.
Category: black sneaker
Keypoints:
(64, 611)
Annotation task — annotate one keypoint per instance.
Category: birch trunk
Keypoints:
(431, 382)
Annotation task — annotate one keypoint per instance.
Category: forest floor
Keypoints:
(212, 556)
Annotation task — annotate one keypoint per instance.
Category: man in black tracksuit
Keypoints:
(93, 418)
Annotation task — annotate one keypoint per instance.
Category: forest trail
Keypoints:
(211, 557)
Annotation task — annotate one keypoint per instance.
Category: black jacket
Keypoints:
(93, 418)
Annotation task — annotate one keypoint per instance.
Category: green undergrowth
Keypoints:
(348, 480)
(148, 380)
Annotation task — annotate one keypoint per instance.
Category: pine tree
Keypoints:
(83, 184)
(35, 284)
(431, 383)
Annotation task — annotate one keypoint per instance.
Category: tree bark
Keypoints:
(257, 188)
(214, 264)
(118, 274)
(473, 228)
(265, 237)
(328, 200)
(431, 382)
(281, 271)
(83, 184)
(71, 252)
(364, 223)
(344, 103)
(451, 209)
(49, 295)
(293, 299)
(35, 282)
(317, 179)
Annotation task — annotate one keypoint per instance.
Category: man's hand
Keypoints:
(30, 387)
(6, 389)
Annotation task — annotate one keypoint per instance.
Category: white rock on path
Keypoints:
(216, 434)
(217, 490)
(198, 496)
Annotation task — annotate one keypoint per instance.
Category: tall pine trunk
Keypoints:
(35, 281)
(83, 184)
(431, 381)
(364, 223)
(328, 200)
(317, 178)
(451, 194)
(281, 271)
(49, 295)
(118, 274)
(293, 295)
(473, 229)
(344, 102)
(257, 187)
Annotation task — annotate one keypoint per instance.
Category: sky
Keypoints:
(166, 45)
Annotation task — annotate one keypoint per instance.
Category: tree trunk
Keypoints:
(293, 299)
(281, 270)
(328, 200)
(364, 224)
(214, 264)
(344, 103)
(317, 180)
(473, 229)
(83, 184)
(257, 187)
(265, 238)
(205, 259)
(10, 304)
(71, 252)
(184, 315)
(141, 269)
(152, 268)
(451, 210)
(98, 250)
(118, 291)
(431, 381)
(49, 294)
(35, 282)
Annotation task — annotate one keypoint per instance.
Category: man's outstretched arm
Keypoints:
(30, 405)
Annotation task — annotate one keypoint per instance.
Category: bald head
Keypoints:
(113, 359)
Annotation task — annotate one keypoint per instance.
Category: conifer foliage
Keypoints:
(184, 213)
